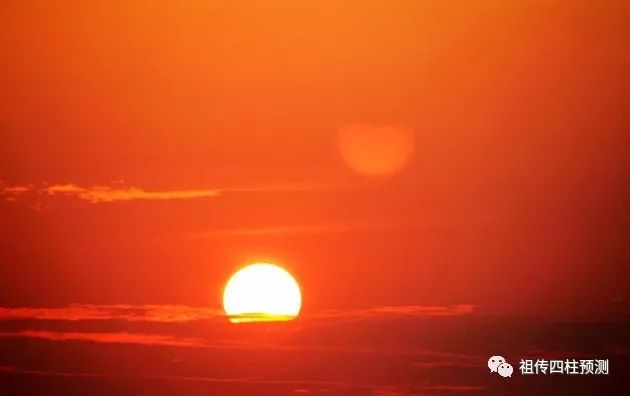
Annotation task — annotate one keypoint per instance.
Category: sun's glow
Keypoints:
(262, 292)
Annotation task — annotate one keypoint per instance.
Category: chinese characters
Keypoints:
(564, 367)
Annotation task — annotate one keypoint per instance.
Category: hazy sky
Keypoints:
(148, 152)
(446, 180)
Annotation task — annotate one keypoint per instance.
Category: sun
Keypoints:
(262, 292)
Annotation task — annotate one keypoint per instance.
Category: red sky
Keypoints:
(148, 150)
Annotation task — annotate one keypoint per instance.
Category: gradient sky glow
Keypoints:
(399, 158)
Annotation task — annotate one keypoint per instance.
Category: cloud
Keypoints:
(401, 310)
(462, 362)
(131, 313)
(181, 314)
(185, 313)
(302, 386)
(152, 339)
(292, 187)
(17, 190)
(415, 390)
(308, 229)
(108, 338)
(11, 193)
(105, 193)
(96, 194)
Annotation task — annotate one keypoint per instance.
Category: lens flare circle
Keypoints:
(375, 150)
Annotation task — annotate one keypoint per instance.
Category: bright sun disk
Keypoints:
(261, 292)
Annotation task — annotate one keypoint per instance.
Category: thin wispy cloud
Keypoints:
(131, 313)
(107, 338)
(12, 193)
(289, 187)
(169, 340)
(119, 192)
(302, 386)
(35, 319)
(401, 310)
(466, 362)
(98, 194)
(308, 229)
(420, 390)
(17, 190)
(185, 313)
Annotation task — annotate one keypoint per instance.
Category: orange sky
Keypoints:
(515, 186)
(148, 150)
